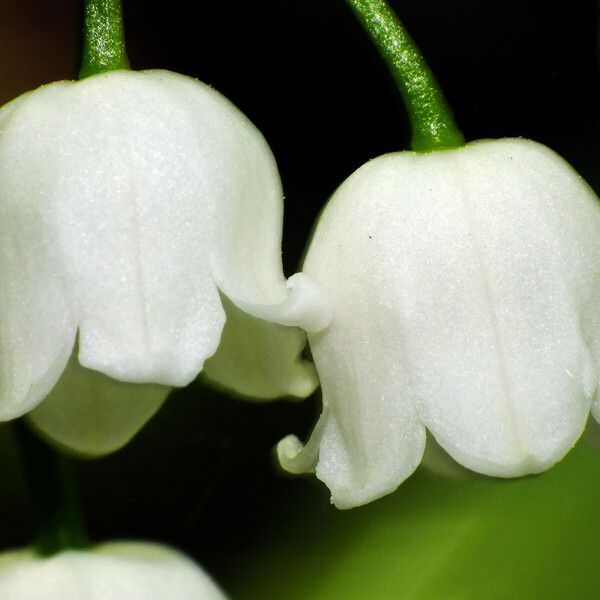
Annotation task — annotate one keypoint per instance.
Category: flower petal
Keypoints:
(132, 570)
(464, 287)
(260, 359)
(37, 323)
(91, 414)
(155, 191)
(529, 253)
(138, 194)
(369, 437)
(150, 170)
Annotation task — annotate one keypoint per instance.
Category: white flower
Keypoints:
(111, 571)
(465, 287)
(129, 202)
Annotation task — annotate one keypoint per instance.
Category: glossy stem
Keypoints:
(54, 495)
(103, 38)
(431, 119)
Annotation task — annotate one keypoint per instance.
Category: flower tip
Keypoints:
(305, 305)
(308, 307)
(298, 459)
(293, 457)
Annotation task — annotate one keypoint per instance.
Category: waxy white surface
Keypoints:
(465, 287)
(128, 201)
(111, 571)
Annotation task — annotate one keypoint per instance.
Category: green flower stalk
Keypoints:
(431, 119)
(104, 40)
(54, 495)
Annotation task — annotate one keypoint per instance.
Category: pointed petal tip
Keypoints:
(293, 456)
(306, 305)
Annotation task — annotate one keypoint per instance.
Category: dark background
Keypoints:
(200, 475)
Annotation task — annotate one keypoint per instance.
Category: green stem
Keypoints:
(103, 38)
(54, 496)
(431, 119)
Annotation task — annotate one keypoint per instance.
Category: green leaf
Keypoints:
(437, 538)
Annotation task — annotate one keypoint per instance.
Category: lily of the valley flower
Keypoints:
(129, 201)
(111, 571)
(465, 287)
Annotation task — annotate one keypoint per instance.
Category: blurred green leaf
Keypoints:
(435, 539)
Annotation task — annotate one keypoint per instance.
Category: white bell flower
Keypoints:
(465, 287)
(110, 571)
(129, 201)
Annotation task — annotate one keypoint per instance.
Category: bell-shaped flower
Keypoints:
(465, 288)
(110, 571)
(129, 201)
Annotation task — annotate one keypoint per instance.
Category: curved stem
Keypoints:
(54, 496)
(431, 118)
(103, 38)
